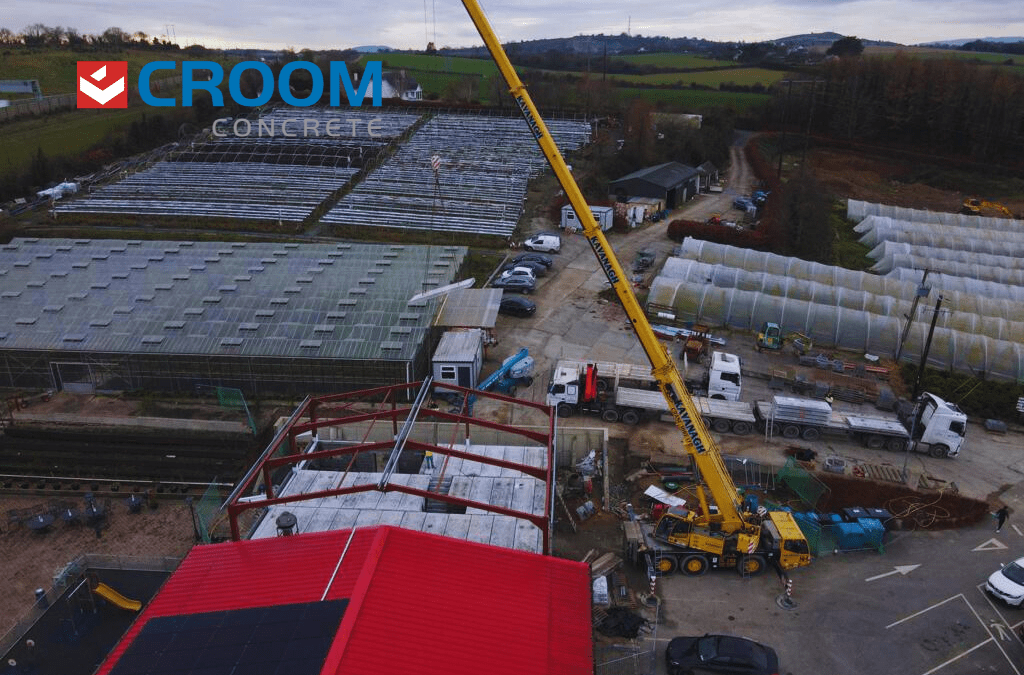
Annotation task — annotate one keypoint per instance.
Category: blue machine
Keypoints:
(516, 370)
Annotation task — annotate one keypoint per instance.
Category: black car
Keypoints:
(720, 654)
(516, 282)
(515, 305)
(544, 260)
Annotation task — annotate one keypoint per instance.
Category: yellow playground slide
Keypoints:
(116, 598)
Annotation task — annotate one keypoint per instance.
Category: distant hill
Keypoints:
(372, 49)
(825, 40)
(963, 41)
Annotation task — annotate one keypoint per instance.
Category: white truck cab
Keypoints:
(942, 426)
(724, 378)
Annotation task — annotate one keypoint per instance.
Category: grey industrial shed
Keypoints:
(672, 182)
(175, 316)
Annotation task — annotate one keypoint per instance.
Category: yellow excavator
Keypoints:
(729, 533)
(979, 207)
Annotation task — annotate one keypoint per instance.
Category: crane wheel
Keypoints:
(694, 565)
(666, 565)
(751, 565)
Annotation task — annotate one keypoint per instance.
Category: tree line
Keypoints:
(65, 37)
(944, 107)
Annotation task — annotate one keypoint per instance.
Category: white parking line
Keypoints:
(926, 609)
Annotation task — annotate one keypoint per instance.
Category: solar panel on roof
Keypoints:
(290, 639)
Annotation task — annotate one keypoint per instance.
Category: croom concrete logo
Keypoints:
(294, 128)
(102, 84)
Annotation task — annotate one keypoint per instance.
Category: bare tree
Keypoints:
(8, 38)
(34, 35)
(115, 37)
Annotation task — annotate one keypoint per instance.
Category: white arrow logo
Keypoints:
(101, 96)
(900, 569)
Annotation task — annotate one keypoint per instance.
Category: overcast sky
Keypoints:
(410, 24)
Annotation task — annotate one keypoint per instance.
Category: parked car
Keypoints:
(516, 305)
(720, 654)
(518, 283)
(743, 204)
(1007, 583)
(538, 269)
(548, 243)
(544, 260)
(518, 270)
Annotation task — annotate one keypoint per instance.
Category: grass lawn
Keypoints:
(694, 100)
(708, 78)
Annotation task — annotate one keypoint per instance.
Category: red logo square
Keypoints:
(102, 84)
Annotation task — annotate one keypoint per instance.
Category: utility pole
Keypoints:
(922, 292)
(924, 354)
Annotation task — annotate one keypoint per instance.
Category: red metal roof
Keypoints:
(417, 602)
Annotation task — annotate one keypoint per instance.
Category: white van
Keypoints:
(547, 243)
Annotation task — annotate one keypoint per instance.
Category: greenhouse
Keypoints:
(857, 211)
(176, 316)
(740, 288)
(886, 252)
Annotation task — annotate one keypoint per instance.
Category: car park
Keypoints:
(515, 282)
(547, 243)
(544, 260)
(1007, 583)
(516, 305)
(720, 654)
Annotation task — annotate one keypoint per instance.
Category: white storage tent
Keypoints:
(889, 249)
(875, 229)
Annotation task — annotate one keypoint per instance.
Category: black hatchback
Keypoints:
(517, 306)
(544, 260)
(720, 654)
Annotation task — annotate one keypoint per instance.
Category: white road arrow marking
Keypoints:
(101, 96)
(990, 545)
(900, 569)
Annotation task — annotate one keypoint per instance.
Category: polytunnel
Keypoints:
(893, 248)
(981, 271)
(874, 230)
(972, 301)
(888, 299)
(857, 210)
(946, 282)
(840, 327)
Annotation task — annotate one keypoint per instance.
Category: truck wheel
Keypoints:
(610, 415)
(791, 431)
(720, 426)
(875, 442)
(810, 434)
(527, 381)
(694, 565)
(776, 429)
(665, 565)
(631, 417)
(938, 451)
(741, 428)
(564, 410)
(896, 445)
(751, 565)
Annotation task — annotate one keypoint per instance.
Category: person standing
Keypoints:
(1001, 516)
(428, 460)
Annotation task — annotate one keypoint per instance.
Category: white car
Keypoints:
(519, 271)
(1007, 584)
(546, 243)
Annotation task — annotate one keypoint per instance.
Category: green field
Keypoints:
(60, 134)
(707, 78)
(436, 64)
(667, 60)
(55, 69)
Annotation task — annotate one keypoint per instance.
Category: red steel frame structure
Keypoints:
(311, 410)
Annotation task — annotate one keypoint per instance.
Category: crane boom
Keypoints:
(697, 442)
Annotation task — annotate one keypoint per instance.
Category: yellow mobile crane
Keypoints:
(684, 539)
